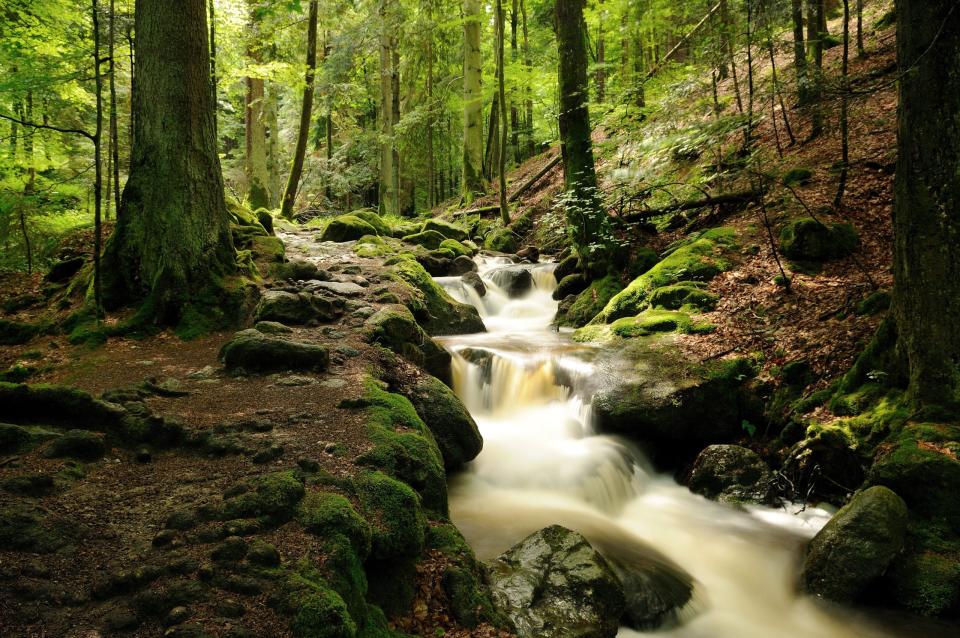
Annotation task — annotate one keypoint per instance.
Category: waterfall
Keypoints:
(527, 387)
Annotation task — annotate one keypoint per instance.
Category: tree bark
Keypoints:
(844, 108)
(258, 177)
(172, 244)
(306, 111)
(472, 185)
(97, 163)
(114, 133)
(501, 93)
(800, 53)
(926, 294)
(588, 223)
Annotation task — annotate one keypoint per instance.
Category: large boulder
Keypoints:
(297, 308)
(347, 228)
(448, 230)
(808, 239)
(554, 583)
(827, 463)
(372, 218)
(430, 239)
(395, 328)
(731, 474)
(571, 285)
(431, 305)
(516, 281)
(855, 548)
(253, 350)
(589, 302)
(453, 428)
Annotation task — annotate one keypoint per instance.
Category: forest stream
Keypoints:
(542, 463)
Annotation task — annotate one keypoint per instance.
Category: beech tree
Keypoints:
(172, 244)
(472, 101)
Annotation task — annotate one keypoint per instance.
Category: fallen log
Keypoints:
(743, 197)
(481, 210)
(536, 178)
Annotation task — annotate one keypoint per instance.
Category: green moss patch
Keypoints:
(399, 525)
(690, 295)
(346, 228)
(434, 309)
(807, 239)
(445, 228)
(327, 514)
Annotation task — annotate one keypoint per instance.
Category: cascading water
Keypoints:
(525, 384)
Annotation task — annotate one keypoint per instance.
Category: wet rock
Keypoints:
(570, 285)
(473, 280)
(826, 463)
(529, 254)
(567, 266)
(297, 309)
(436, 265)
(77, 444)
(395, 328)
(554, 583)
(64, 270)
(452, 426)
(515, 281)
(462, 265)
(434, 309)
(731, 474)
(252, 350)
(858, 544)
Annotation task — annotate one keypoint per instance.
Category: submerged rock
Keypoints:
(255, 351)
(513, 280)
(858, 544)
(731, 474)
(554, 583)
(473, 280)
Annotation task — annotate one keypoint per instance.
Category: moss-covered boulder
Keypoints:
(28, 528)
(346, 228)
(654, 320)
(14, 333)
(808, 239)
(571, 285)
(502, 240)
(395, 328)
(456, 248)
(59, 406)
(372, 218)
(453, 428)
(399, 525)
(591, 302)
(297, 308)
(273, 496)
(858, 544)
(827, 462)
(429, 239)
(268, 248)
(687, 295)
(297, 269)
(674, 406)
(327, 515)
(554, 583)
(255, 351)
(731, 474)
(698, 259)
(447, 229)
(434, 309)
(78, 444)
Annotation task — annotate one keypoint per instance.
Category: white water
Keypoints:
(542, 464)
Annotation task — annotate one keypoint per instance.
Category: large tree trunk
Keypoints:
(472, 101)
(271, 113)
(926, 295)
(501, 94)
(587, 220)
(306, 111)
(172, 243)
(799, 52)
(388, 166)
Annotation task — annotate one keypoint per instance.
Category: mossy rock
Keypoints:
(591, 301)
(31, 484)
(400, 229)
(327, 515)
(431, 305)
(571, 285)
(18, 438)
(296, 270)
(453, 428)
(463, 580)
(392, 585)
(502, 240)
(684, 295)
(808, 239)
(78, 444)
(268, 249)
(255, 351)
(445, 228)
(25, 528)
(347, 228)
(395, 328)
(855, 548)
(699, 259)
(399, 525)
(60, 406)
(404, 447)
(274, 496)
(797, 176)
(13, 333)
(322, 614)
(654, 320)
(430, 239)
(372, 218)
(874, 304)
(455, 248)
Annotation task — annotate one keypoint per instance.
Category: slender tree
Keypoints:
(306, 113)
(114, 133)
(472, 101)
(800, 53)
(844, 108)
(258, 178)
(588, 222)
(172, 243)
(97, 163)
(501, 93)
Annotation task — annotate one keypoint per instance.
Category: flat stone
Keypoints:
(342, 288)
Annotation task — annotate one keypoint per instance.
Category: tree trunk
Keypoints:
(172, 244)
(273, 145)
(844, 108)
(258, 177)
(528, 68)
(431, 164)
(601, 75)
(502, 155)
(800, 53)
(114, 133)
(395, 116)
(588, 223)
(861, 49)
(926, 294)
(492, 149)
(97, 163)
(306, 111)
(472, 101)
(514, 113)
(213, 69)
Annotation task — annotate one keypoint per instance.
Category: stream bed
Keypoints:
(542, 463)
